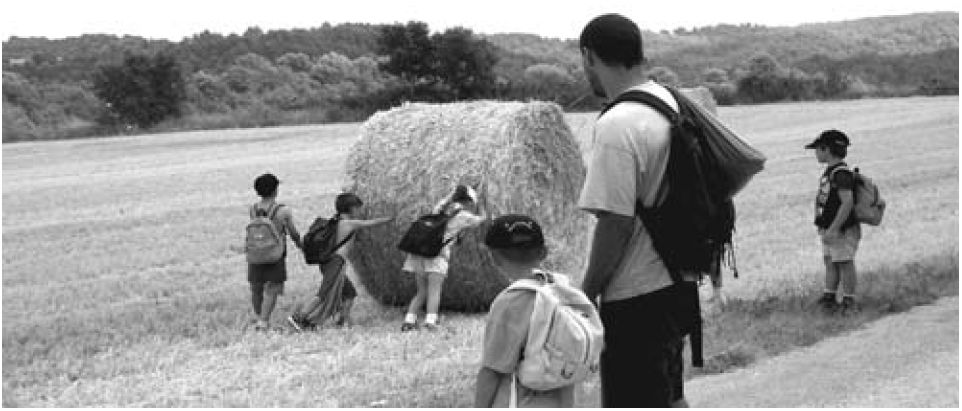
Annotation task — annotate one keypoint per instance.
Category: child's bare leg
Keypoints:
(346, 312)
(271, 292)
(831, 275)
(846, 270)
(257, 297)
(435, 281)
(417, 302)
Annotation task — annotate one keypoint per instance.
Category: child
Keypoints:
(517, 248)
(336, 293)
(430, 272)
(267, 280)
(839, 231)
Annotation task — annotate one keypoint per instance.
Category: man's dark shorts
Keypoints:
(642, 364)
(331, 270)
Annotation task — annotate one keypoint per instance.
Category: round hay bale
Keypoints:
(702, 95)
(521, 157)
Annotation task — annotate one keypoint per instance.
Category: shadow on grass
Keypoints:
(744, 331)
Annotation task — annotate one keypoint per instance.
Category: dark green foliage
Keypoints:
(143, 90)
(345, 72)
(409, 50)
(453, 65)
(464, 63)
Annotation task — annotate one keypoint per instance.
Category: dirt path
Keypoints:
(904, 360)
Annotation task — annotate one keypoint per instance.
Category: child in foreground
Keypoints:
(517, 248)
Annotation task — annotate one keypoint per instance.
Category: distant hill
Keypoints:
(337, 72)
(689, 52)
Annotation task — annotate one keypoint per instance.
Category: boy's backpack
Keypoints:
(264, 243)
(320, 242)
(869, 206)
(565, 335)
(691, 226)
(425, 236)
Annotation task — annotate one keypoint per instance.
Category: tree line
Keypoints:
(104, 84)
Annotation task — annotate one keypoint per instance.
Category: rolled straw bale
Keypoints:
(521, 157)
(702, 95)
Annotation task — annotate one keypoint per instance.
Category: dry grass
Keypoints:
(123, 284)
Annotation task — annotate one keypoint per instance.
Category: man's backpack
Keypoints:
(869, 206)
(264, 243)
(691, 226)
(320, 242)
(425, 236)
(707, 165)
(565, 334)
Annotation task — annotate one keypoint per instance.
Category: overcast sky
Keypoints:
(176, 19)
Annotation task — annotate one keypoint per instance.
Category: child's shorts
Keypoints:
(842, 248)
(418, 264)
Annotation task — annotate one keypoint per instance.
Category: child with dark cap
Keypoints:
(267, 280)
(838, 229)
(517, 248)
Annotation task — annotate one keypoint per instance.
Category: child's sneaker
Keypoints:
(430, 326)
(295, 322)
(828, 303)
(405, 327)
(848, 306)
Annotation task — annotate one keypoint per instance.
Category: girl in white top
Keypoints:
(430, 272)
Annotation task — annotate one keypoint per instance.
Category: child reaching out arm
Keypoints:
(352, 225)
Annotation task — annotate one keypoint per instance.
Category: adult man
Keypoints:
(642, 362)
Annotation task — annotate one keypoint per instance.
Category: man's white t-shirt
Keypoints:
(628, 158)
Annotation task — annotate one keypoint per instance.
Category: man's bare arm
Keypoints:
(608, 247)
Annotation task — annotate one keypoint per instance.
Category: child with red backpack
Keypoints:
(336, 237)
(266, 248)
(542, 336)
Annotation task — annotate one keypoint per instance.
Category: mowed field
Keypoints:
(124, 281)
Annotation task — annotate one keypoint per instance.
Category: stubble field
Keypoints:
(124, 280)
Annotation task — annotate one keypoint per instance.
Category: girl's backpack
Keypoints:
(565, 335)
(425, 236)
(264, 243)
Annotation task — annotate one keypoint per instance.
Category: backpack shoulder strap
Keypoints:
(344, 241)
(272, 212)
(647, 99)
(526, 284)
(843, 167)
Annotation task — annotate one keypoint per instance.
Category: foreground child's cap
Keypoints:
(830, 138)
(514, 231)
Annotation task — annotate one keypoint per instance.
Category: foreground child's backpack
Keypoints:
(320, 242)
(425, 236)
(264, 243)
(692, 225)
(869, 206)
(565, 335)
